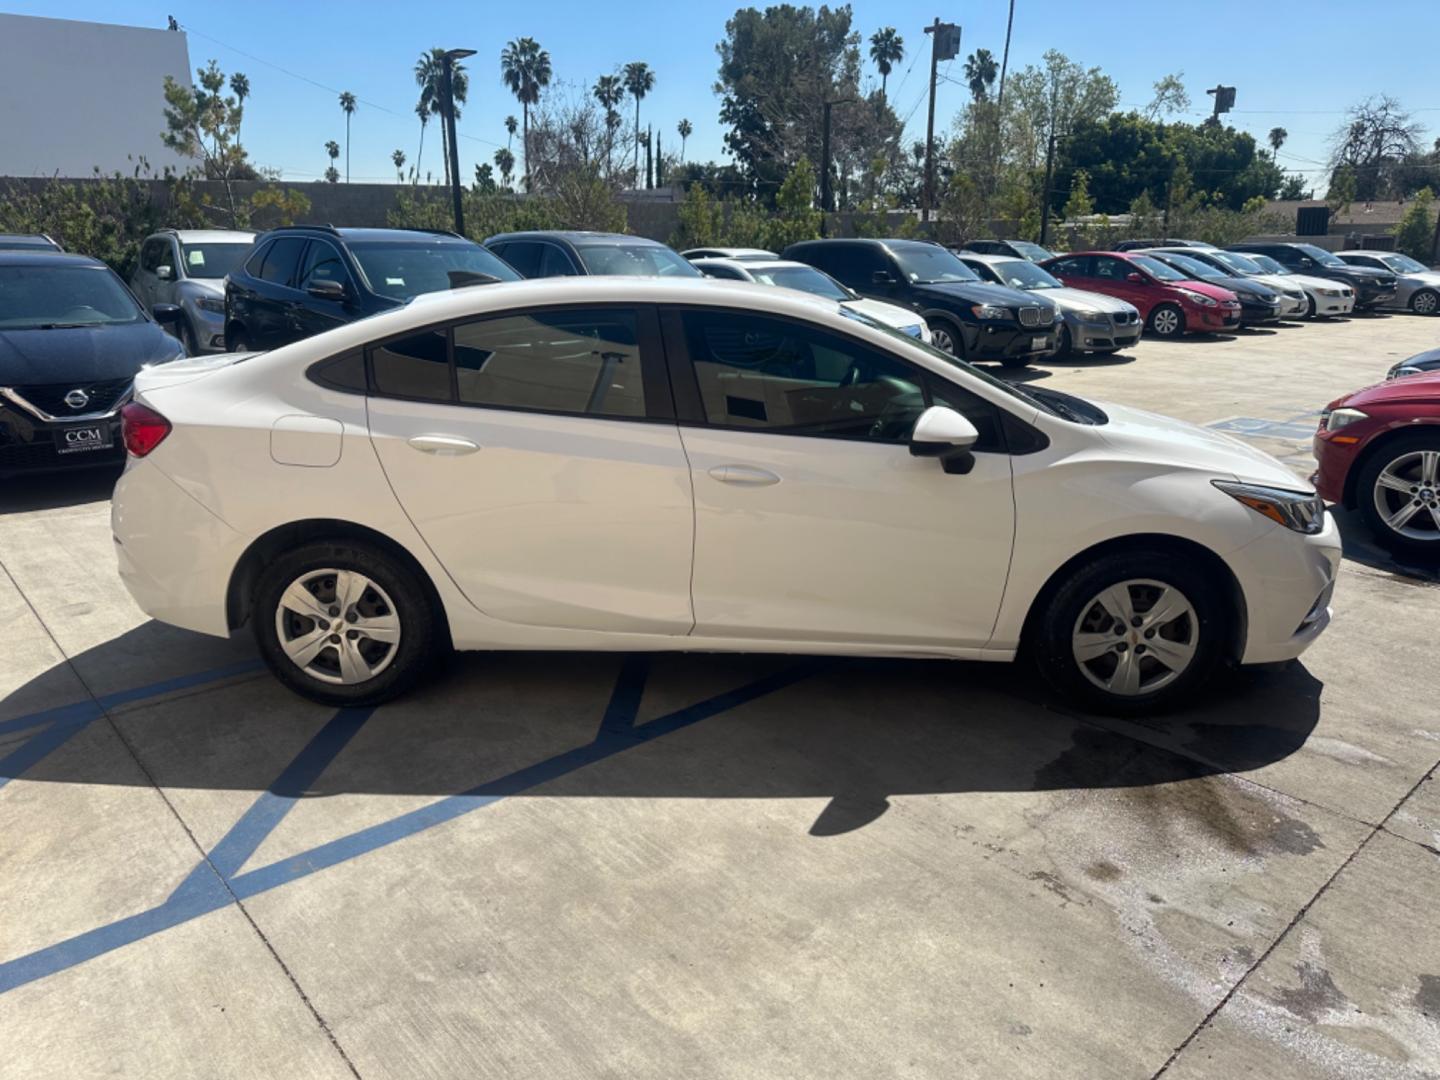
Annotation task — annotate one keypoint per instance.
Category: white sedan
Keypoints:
(624, 464)
(802, 277)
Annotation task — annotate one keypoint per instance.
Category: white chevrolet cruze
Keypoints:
(624, 464)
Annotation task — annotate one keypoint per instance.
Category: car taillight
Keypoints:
(142, 428)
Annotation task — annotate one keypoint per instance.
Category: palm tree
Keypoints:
(505, 162)
(240, 87)
(639, 81)
(1005, 60)
(609, 92)
(430, 77)
(510, 125)
(1277, 138)
(525, 70)
(980, 71)
(333, 149)
(887, 48)
(423, 112)
(398, 157)
(347, 106)
(685, 131)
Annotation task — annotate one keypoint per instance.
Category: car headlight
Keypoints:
(990, 311)
(212, 304)
(1296, 510)
(1200, 298)
(1329, 292)
(1093, 317)
(1341, 418)
(1059, 317)
(1401, 372)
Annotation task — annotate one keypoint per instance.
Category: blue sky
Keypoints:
(1297, 66)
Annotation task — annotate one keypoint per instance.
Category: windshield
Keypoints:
(1019, 274)
(1033, 252)
(1403, 264)
(402, 271)
(1156, 269)
(1241, 264)
(1323, 257)
(641, 260)
(57, 297)
(1193, 268)
(925, 263)
(806, 279)
(211, 260)
(1266, 263)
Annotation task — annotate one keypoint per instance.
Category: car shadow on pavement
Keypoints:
(52, 491)
(1360, 546)
(853, 731)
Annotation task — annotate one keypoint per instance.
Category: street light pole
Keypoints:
(447, 65)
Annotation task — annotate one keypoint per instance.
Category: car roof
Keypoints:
(29, 239)
(1366, 251)
(209, 236)
(758, 264)
(577, 237)
(990, 259)
(46, 257)
(369, 235)
(747, 254)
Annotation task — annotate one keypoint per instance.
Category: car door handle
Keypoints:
(443, 445)
(744, 475)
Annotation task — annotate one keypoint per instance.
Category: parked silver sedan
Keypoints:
(187, 268)
(1417, 287)
(1093, 322)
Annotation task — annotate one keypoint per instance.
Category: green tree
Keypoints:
(1342, 191)
(240, 87)
(1170, 97)
(1415, 234)
(202, 123)
(887, 48)
(332, 174)
(525, 70)
(609, 91)
(685, 130)
(795, 216)
(701, 219)
(1375, 138)
(347, 106)
(1294, 187)
(505, 162)
(639, 81)
(422, 110)
(511, 125)
(398, 157)
(430, 78)
(1276, 139)
(980, 72)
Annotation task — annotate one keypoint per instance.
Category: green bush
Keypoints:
(1415, 234)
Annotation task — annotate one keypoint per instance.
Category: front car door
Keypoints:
(537, 454)
(310, 315)
(813, 522)
(1112, 275)
(269, 319)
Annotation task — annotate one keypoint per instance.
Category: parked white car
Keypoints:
(1294, 301)
(728, 253)
(805, 278)
(1324, 296)
(1417, 287)
(187, 268)
(665, 464)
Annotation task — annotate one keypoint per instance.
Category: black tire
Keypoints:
(941, 329)
(236, 340)
(1392, 457)
(1161, 323)
(1425, 302)
(1052, 634)
(1067, 344)
(1310, 308)
(422, 638)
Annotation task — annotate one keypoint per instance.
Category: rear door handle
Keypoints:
(744, 475)
(443, 445)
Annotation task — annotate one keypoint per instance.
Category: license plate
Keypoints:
(82, 439)
(1038, 344)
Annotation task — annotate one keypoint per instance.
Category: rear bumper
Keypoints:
(1288, 581)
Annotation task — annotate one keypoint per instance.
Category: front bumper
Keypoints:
(209, 326)
(29, 444)
(1000, 341)
(1287, 580)
(1211, 320)
(1106, 336)
(1253, 313)
(1335, 458)
(1374, 297)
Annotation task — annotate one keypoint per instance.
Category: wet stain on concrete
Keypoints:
(1241, 822)
(1427, 998)
(1052, 884)
(1316, 994)
(1104, 871)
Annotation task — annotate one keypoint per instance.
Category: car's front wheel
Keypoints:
(1425, 302)
(945, 336)
(1398, 490)
(344, 623)
(1167, 321)
(1130, 632)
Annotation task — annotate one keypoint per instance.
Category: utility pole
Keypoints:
(944, 45)
(1224, 102)
(448, 68)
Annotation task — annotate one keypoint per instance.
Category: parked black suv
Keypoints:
(1372, 287)
(304, 279)
(967, 318)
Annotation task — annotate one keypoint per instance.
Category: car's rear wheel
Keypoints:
(1425, 302)
(344, 623)
(1131, 632)
(946, 337)
(1398, 490)
(1167, 321)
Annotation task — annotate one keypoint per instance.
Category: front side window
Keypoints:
(1403, 264)
(152, 255)
(1155, 268)
(44, 297)
(1192, 268)
(783, 377)
(522, 255)
(211, 260)
(555, 263)
(582, 362)
(1239, 263)
(323, 263)
(641, 260)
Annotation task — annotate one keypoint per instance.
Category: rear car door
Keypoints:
(813, 521)
(537, 454)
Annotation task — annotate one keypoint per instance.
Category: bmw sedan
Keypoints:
(624, 464)
(1417, 286)
(72, 338)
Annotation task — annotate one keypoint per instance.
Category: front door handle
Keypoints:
(744, 475)
(443, 445)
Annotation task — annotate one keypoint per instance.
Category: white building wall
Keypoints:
(74, 95)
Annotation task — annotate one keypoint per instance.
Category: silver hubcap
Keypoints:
(1407, 495)
(338, 626)
(941, 339)
(1135, 637)
(1166, 322)
(1424, 303)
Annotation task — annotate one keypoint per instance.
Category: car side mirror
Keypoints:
(942, 432)
(1136, 277)
(166, 314)
(165, 272)
(327, 290)
(883, 277)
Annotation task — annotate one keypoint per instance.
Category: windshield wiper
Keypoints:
(64, 325)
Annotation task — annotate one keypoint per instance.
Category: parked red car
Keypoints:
(1170, 303)
(1379, 453)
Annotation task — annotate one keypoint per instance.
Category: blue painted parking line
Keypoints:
(205, 890)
